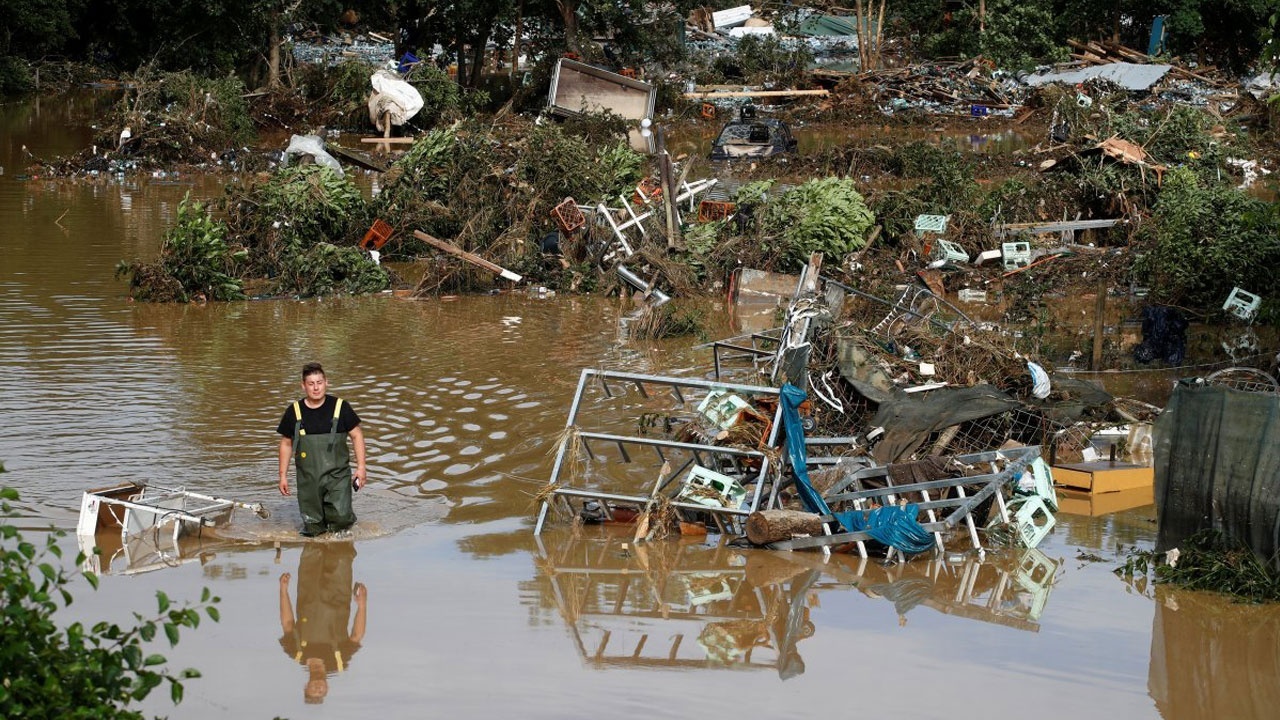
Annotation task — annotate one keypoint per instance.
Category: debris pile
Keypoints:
(898, 424)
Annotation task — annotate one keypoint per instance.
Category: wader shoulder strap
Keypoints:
(333, 429)
(297, 424)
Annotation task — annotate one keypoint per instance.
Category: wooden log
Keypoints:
(767, 526)
(469, 257)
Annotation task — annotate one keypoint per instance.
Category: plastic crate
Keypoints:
(949, 251)
(711, 210)
(377, 236)
(932, 223)
(568, 216)
(711, 489)
(1016, 255)
(1242, 303)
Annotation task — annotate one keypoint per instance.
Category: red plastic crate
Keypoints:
(568, 216)
(377, 236)
(709, 210)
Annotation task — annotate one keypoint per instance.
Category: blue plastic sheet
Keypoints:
(892, 525)
(791, 397)
(895, 526)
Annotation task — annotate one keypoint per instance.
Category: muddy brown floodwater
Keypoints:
(464, 612)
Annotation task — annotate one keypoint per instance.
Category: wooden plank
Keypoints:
(469, 257)
(758, 93)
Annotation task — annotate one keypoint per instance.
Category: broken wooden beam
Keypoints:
(710, 95)
(469, 257)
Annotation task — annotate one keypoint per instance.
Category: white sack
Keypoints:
(312, 145)
(392, 95)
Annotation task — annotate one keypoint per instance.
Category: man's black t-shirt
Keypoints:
(320, 420)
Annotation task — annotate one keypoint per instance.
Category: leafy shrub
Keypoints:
(825, 215)
(324, 269)
(76, 672)
(195, 261)
(1203, 239)
(766, 60)
(294, 209)
(15, 76)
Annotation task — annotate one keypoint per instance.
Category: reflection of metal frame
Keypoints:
(665, 616)
(111, 554)
(640, 606)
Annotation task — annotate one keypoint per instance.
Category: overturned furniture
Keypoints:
(133, 509)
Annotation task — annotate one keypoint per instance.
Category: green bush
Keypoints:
(15, 76)
(195, 261)
(77, 672)
(1203, 239)
(825, 215)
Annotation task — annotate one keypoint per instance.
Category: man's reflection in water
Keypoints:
(317, 637)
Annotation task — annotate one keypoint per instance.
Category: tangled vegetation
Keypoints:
(1211, 562)
(295, 231)
(179, 117)
(825, 215)
(100, 671)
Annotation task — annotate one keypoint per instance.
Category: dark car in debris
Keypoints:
(753, 137)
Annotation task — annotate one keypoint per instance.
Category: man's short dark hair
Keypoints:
(311, 369)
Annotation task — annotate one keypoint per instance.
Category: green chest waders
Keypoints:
(324, 477)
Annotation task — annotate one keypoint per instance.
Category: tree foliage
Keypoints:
(1203, 239)
(77, 671)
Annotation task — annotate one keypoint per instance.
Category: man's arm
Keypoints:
(362, 613)
(357, 442)
(286, 607)
(286, 451)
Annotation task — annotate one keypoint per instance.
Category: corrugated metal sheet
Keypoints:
(1130, 76)
(828, 26)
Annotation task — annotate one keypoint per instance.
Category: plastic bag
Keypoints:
(312, 145)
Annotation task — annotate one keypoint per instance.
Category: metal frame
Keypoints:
(683, 390)
(957, 509)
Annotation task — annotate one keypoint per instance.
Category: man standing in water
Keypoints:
(314, 431)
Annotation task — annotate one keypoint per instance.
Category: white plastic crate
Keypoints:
(1243, 304)
(1016, 255)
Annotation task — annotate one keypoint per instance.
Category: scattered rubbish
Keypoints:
(1243, 304)
(892, 448)
(970, 295)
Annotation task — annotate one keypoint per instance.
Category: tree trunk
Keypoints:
(569, 16)
(477, 60)
(767, 526)
(862, 36)
(515, 43)
(273, 52)
(461, 76)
